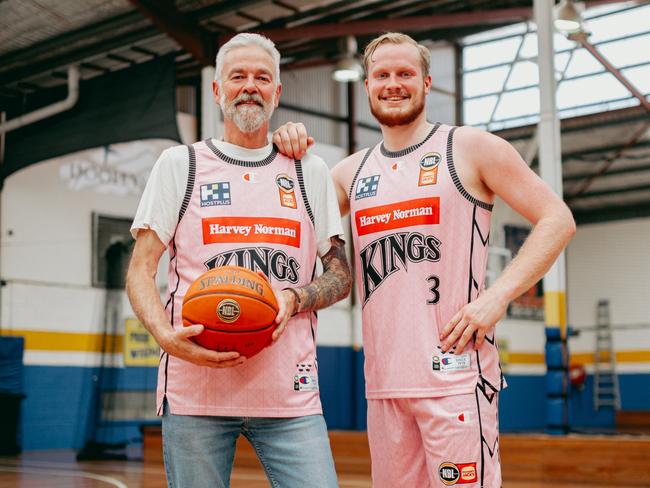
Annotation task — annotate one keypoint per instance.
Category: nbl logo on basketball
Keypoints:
(228, 310)
(272, 262)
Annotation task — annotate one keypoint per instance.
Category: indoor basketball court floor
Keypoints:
(528, 462)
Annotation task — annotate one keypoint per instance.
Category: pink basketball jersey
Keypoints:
(255, 215)
(421, 244)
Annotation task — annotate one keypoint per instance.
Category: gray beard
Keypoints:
(247, 118)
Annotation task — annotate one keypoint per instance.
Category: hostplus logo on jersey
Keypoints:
(367, 187)
(215, 194)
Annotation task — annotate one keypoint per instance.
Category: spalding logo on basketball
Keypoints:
(236, 306)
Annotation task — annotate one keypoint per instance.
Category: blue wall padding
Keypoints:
(581, 404)
(555, 383)
(635, 391)
(522, 404)
(11, 364)
(555, 412)
(337, 384)
(554, 355)
(361, 407)
(57, 410)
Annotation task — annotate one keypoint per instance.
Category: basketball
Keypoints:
(236, 306)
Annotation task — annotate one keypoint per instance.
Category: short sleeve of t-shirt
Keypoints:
(323, 201)
(163, 195)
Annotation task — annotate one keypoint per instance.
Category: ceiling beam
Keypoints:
(50, 46)
(404, 24)
(180, 27)
(611, 191)
(612, 172)
(612, 212)
(77, 55)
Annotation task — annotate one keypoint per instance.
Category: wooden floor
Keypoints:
(527, 462)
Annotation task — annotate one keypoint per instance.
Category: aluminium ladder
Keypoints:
(606, 389)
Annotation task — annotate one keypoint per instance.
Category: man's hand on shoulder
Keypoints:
(292, 140)
(177, 343)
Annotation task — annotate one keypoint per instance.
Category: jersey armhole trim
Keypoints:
(356, 174)
(454, 176)
(191, 176)
(301, 183)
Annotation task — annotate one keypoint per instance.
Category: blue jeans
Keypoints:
(199, 451)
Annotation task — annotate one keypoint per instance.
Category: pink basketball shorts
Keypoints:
(435, 442)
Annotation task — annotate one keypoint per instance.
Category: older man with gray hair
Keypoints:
(208, 398)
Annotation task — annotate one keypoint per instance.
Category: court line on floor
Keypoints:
(42, 466)
(79, 474)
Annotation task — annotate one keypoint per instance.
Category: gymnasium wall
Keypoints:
(48, 298)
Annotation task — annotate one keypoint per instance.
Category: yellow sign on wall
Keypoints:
(140, 348)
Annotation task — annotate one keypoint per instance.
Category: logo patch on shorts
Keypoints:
(464, 417)
(215, 194)
(429, 169)
(457, 474)
(367, 187)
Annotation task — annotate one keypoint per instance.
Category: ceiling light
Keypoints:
(348, 68)
(567, 17)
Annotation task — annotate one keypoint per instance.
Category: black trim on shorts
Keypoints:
(456, 179)
(248, 164)
(403, 152)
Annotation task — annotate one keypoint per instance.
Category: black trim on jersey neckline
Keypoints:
(403, 152)
(356, 175)
(238, 162)
(456, 179)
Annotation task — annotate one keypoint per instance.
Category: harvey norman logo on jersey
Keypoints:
(392, 252)
(251, 229)
(422, 211)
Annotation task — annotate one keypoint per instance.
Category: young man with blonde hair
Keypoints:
(420, 203)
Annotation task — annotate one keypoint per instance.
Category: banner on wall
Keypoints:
(127, 105)
(140, 348)
(530, 305)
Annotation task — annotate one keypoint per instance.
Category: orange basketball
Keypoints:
(237, 308)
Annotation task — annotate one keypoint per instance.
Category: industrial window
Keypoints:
(112, 246)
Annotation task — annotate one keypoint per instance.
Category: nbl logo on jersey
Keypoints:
(367, 187)
(393, 252)
(272, 262)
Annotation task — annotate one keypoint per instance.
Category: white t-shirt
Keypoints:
(163, 195)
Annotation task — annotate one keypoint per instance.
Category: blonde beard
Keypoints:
(402, 118)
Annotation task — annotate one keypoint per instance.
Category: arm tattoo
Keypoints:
(335, 282)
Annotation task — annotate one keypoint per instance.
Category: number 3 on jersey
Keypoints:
(434, 281)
